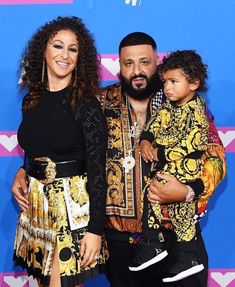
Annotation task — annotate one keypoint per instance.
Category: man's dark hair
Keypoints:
(137, 38)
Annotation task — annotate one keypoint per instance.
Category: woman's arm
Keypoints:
(20, 189)
(93, 122)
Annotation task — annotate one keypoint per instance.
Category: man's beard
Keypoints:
(142, 93)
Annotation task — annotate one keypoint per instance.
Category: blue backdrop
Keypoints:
(204, 25)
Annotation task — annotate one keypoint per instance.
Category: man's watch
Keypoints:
(191, 194)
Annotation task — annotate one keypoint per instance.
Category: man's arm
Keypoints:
(172, 191)
(214, 171)
(214, 164)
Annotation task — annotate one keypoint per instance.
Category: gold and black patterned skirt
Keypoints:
(58, 215)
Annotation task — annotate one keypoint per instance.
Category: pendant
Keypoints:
(134, 131)
(128, 163)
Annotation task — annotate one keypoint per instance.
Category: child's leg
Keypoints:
(151, 219)
(189, 261)
(199, 279)
(182, 217)
(152, 247)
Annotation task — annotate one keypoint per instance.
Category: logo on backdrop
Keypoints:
(17, 280)
(10, 147)
(227, 135)
(221, 278)
(18, 2)
(217, 278)
(109, 72)
(133, 2)
(110, 66)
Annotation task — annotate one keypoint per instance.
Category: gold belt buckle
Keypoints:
(50, 170)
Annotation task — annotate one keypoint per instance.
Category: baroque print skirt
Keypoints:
(57, 215)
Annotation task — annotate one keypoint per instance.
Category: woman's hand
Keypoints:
(171, 191)
(20, 189)
(90, 248)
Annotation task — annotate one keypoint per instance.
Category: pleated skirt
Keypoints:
(57, 215)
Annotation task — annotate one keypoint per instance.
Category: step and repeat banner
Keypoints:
(204, 25)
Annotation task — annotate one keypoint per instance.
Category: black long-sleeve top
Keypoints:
(52, 129)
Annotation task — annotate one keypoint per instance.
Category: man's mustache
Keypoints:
(139, 76)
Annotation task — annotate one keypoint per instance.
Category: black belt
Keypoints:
(45, 169)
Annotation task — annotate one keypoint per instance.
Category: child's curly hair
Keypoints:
(190, 63)
(84, 82)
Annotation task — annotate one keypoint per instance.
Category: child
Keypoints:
(174, 140)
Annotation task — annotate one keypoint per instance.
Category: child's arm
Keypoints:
(148, 153)
(194, 136)
(146, 138)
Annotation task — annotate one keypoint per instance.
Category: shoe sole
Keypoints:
(150, 262)
(184, 274)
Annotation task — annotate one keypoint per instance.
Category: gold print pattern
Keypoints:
(67, 261)
(50, 170)
(115, 185)
(181, 131)
(215, 166)
(115, 133)
(46, 223)
(156, 209)
(120, 196)
(181, 215)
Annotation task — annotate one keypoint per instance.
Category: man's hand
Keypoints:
(20, 190)
(171, 191)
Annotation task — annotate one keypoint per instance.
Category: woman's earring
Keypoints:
(43, 70)
(75, 77)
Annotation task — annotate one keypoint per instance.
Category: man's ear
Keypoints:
(158, 59)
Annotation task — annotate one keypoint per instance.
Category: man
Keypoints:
(127, 106)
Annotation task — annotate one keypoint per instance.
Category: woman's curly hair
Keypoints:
(86, 76)
(190, 63)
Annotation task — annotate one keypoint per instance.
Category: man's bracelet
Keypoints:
(191, 194)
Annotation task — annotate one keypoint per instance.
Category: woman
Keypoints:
(63, 133)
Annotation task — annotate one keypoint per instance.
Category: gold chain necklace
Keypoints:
(133, 131)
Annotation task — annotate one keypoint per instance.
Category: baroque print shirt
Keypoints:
(125, 187)
(124, 193)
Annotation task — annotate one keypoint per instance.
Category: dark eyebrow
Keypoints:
(75, 44)
(58, 41)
